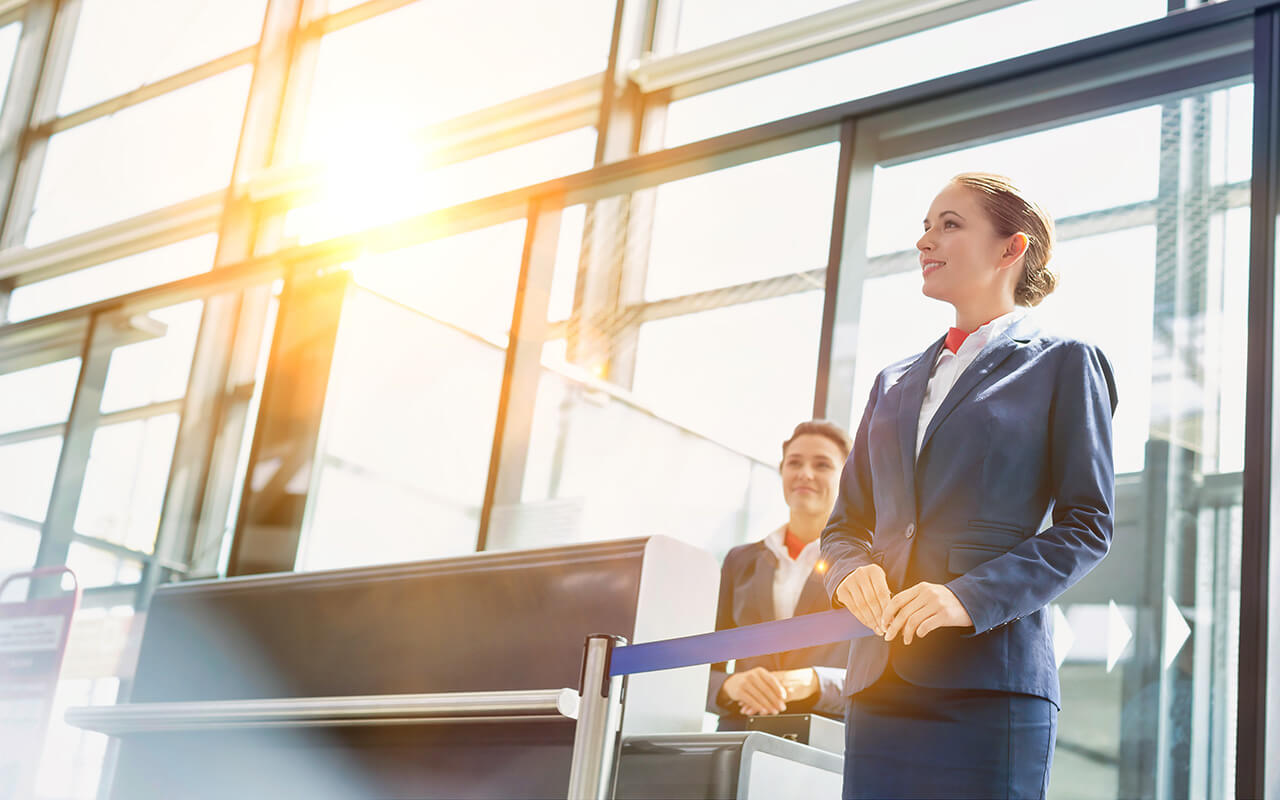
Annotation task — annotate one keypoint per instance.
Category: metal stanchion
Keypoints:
(595, 737)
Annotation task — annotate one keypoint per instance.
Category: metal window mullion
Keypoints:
(831, 283)
(1258, 702)
(82, 422)
(40, 66)
(522, 370)
(231, 325)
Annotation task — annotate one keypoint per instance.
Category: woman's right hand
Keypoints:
(756, 691)
(865, 592)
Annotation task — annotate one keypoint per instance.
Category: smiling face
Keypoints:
(963, 259)
(811, 474)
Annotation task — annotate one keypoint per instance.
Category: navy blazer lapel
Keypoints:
(910, 398)
(1019, 332)
(760, 586)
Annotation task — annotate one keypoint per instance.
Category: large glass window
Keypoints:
(165, 37)
(113, 278)
(431, 61)
(985, 39)
(411, 403)
(1156, 273)
(165, 150)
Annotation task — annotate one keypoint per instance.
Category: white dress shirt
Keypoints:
(790, 576)
(949, 366)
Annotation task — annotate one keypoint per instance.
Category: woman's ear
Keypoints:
(1014, 249)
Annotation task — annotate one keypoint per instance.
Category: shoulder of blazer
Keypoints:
(743, 554)
(894, 372)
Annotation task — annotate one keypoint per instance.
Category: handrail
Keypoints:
(387, 709)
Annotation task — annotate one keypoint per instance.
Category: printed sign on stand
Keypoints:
(33, 640)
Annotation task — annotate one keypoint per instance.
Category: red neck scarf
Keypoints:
(794, 544)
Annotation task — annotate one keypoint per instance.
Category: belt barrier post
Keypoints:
(599, 712)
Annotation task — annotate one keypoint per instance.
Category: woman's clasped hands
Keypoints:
(762, 691)
(912, 613)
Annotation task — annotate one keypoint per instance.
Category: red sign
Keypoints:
(33, 639)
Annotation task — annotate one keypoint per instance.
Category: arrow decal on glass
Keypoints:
(1176, 630)
(1118, 635)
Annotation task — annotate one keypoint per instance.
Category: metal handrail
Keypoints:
(387, 709)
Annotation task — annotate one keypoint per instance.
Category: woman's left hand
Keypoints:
(923, 608)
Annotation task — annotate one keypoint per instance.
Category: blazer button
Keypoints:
(911, 529)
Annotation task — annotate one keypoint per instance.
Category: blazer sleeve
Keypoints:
(846, 541)
(1082, 475)
(724, 620)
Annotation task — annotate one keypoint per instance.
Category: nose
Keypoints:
(924, 244)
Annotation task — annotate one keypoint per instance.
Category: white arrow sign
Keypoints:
(1176, 630)
(1118, 635)
(1063, 638)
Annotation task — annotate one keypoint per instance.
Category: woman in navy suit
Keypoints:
(935, 541)
(775, 579)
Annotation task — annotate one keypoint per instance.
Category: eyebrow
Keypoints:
(925, 221)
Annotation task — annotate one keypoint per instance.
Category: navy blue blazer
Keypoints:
(1025, 429)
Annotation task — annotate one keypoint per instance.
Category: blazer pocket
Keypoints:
(964, 557)
(999, 527)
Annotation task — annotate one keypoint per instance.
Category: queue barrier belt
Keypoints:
(806, 630)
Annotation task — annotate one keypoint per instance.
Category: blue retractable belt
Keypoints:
(806, 630)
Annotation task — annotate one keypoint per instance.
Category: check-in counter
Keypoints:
(432, 679)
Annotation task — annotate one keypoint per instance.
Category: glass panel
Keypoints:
(28, 469)
(165, 37)
(9, 36)
(741, 375)
(467, 280)
(156, 369)
(113, 278)
(404, 454)
(174, 147)
(73, 758)
(431, 61)
(758, 220)
(1156, 275)
(704, 22)
(94, 567)
(38, 396)
(125, 481)
(601, 466)
(380, 180)
(985, 39)
(18, 546)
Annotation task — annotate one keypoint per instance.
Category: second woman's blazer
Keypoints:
(1026, 428)
(746, 598)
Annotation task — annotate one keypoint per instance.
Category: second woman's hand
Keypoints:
(756, 691)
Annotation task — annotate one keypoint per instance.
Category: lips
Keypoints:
(930, 265)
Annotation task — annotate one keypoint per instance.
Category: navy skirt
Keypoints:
(906, 741)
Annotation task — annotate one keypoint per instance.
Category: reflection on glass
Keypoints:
(37, 396)
(165, 150)
(113, 278)
(741, 375)
(568, 257)
(758, 220)
(428, 62)
(154, 370)
(377, 179)
(467, 280)
(985, 39)
(125, 480)
(601, 466)
(406, 436)
(28, 469)
(1147, 642)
